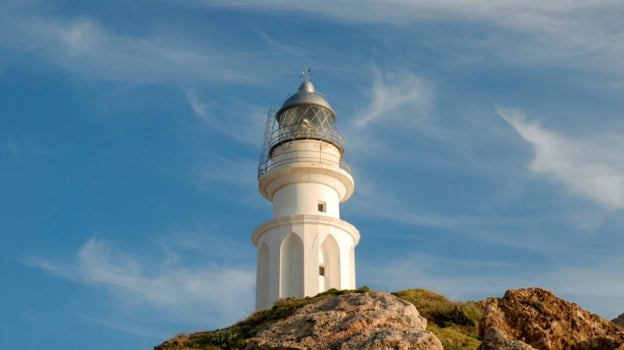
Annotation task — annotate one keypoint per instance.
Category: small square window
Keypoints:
(321, 270)
(321, 207)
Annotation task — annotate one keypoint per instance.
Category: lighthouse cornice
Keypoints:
(307, 161)
(337, 178)
(294, 220)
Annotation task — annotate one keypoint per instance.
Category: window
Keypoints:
(321, 206)
(321, 270)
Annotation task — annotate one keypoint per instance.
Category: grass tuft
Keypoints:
(454, 323)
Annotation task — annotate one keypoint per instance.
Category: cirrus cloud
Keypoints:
(164, 284)
(398, 97)
(588, 167)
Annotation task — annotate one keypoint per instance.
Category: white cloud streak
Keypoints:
(590, 167)
(225, 292)
(583, 33)
(397, 100)
(396, 97)
(22, 146)
(83, 46)
(236, 120)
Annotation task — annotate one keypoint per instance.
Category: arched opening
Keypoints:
(329, 265)
(291, 267)
(262, 278)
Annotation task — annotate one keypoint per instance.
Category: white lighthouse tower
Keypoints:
(305, 248)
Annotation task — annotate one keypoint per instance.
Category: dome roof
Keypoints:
(306, 95)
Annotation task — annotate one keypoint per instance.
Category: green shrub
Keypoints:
(454, 323)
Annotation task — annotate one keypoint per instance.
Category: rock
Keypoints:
(619, 320)
(373, 320)
(537, 318)
(495, 338)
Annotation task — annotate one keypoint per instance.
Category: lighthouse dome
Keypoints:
(306, 96)
(306, 112)
(305, 115)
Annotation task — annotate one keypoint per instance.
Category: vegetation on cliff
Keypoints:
(454, 323)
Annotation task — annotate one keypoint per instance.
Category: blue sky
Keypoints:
(485, 140)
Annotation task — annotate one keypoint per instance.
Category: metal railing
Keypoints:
(285, 157)
(298, 132)
(345, 166)
(269, 164)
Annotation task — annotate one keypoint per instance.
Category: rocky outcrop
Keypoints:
(495, 338)
(536, 318)
(373, 320)
(619, 320)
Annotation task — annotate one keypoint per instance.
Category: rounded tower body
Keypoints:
(305, 248)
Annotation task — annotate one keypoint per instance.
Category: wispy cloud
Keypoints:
(223, 291)
(583, 34)
(84, 46)
(586, 34)
(20, 146)
(396, 97)
(586, 166)
(240, 122)
(397, 100)
(200, 108)
(237, 120)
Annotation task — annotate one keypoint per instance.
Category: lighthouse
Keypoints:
(305, 248)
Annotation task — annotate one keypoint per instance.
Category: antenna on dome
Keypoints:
(305, 75)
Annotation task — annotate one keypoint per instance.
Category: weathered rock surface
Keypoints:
(373, 320)
(619, 320)
(498, 339)
(536, 318)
